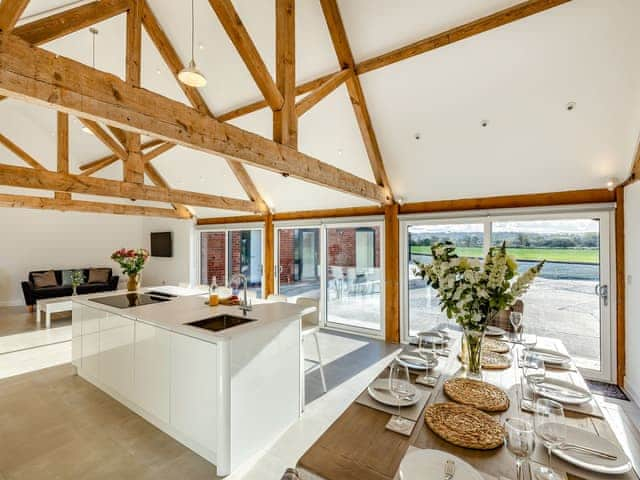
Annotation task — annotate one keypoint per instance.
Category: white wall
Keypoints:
(632, 268)
(169, 271)
(40, 239)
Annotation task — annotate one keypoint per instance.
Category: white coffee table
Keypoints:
(52, 305)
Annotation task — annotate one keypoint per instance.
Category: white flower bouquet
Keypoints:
(471, 292)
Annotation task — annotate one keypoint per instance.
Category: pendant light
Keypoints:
(94, 33)
(190, 75)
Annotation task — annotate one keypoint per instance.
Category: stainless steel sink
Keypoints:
(221, 322)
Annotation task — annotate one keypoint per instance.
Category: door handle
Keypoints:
(603, 292)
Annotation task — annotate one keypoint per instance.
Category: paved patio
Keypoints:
(565, 309)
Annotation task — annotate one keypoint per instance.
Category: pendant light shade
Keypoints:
(190, 75)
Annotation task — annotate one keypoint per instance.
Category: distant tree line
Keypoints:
(513, 239)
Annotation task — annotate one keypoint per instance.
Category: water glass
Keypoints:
(401, 388)
(534, 373)
(516, 323)
(551, 427)
(520, 439)
(429, 344)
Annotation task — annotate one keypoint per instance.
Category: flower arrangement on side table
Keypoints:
(474, 293)
(77, 278)
(132, 262)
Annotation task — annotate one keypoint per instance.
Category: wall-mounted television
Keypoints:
(161, 244)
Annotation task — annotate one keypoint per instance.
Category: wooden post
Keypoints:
(63, 151)
(392, 273)
(285, 120)
(134, 166)
(269, 256)
(620, 288)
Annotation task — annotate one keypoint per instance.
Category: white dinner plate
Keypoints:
(421, 464)
(492, 331)
(415, 362)
(437, 337)
(577, 436)
(552, 357)
(379, 391)
(563, 392)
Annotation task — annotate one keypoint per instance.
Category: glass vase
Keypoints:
(134, 282)
(472, 352)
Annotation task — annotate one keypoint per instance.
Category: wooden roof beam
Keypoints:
(102, 135)
(159, 181)
(68, 205)
(285, 120)
(63, 150)
(455, 34)
(60, 182)
(92, 167)
(173, 62)
(134, 166)
(69, 21)
(345, 57)
(24, 156)
(241, 39)
(308, 102)
(10, 13)
(41, 77)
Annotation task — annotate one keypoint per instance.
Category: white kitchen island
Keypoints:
(227, 395)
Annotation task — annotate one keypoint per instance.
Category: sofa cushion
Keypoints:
(99, 275)
(45, 279)
(51, 292)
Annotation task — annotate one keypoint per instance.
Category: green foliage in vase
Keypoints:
(77, 278)
(471, 291)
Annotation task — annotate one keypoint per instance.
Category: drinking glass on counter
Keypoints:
(520, 439)
(551, 427)
(401, 388)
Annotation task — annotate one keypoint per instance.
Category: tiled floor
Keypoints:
(14, 320)
(53, 424)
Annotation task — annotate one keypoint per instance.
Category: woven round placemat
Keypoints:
(475, 393)
(493, 345)
(464, 426)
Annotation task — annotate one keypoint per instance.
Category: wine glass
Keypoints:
(534, 373)
(401, 388)
(428, 346)
(520, 440)
(551, 427)
(516, 323)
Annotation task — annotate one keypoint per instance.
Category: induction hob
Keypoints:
(130, 300)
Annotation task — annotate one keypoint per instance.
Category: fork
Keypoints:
(449, 469)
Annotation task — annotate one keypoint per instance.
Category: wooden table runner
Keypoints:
(358, 447)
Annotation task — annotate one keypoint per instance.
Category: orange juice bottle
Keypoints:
(213, 293)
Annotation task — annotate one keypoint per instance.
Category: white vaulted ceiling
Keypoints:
(519, 77)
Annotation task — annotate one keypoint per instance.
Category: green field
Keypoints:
(578, 255)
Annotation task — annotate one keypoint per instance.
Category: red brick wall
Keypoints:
(341, 247)
(286, 254)
(215, 256)
(236, 238)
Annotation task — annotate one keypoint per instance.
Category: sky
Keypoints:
(530, 226)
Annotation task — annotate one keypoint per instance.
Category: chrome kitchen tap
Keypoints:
(245, 306)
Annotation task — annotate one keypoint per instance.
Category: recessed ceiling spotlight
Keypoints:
(202, 179)
(416, 136)
(400, 200)
(158, 71)
(612, 183)
(339, 152)
(201, 46)
(484, 123)
(571, 106)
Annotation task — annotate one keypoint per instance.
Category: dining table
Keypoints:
(358, 446)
